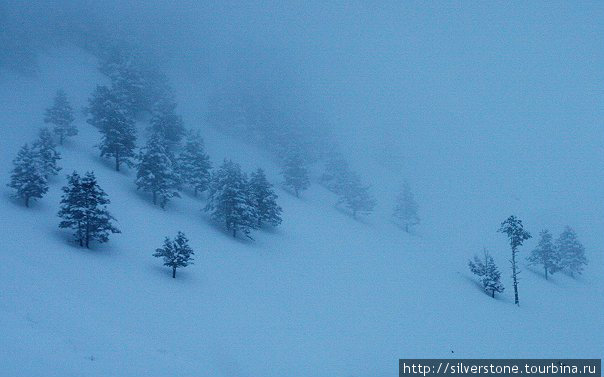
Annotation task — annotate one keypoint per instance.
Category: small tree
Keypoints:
(265, 199)
(194, 164)
(84, 209)
(513, 228)
(156, 172)
(61, 116)
(545, 254)
(571, 252)
(114, 121)
(176, 254)
(27, 178)
(46, 154)
(229, 200)
(488, 272)
(355, 196)
(295, 174)
(406, 208)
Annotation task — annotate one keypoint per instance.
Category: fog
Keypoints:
(478, 105)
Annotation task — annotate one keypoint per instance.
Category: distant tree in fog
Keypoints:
(61, 116)
(27, 177)
(406, 208)
(571, 252)
(295, 173)
(157, 172)
(84, 209)
(177, 253)
(490, 277)
(194, 164)
(265, 199)
(355, 196)
(545, 254)
(44, 149)
(229, 199)
(514, 229)
(166, 122)
(112, 118)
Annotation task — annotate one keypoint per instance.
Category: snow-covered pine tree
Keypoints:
(166, 122)
(157, 172)
(355, 196)
(545, 254)
(27, 178)
(265, 199)
(571, 252)
(112, 118)
(46, 154)
(61, 116)
(229, 200)
(405, 209)
(177, 253)
(488, 272)
(514, 229)
(194, 164)
(295, 173)
(84, 209)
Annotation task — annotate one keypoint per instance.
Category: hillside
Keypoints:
(322, 295)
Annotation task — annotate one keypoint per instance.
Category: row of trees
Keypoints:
(567, 253)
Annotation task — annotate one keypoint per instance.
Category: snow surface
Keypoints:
(322, 295)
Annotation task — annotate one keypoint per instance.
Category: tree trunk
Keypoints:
(297, 193)
(545, 273)
(516, 301)
(195, 192)
(234, 232)
(493, 293)
(87, 236)
(173, 272)
(117, 160)
(154, 197)
(61, 139)
(27, 201)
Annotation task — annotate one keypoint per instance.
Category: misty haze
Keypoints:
(298, 188)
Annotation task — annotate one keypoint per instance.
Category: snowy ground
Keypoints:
(323, 295)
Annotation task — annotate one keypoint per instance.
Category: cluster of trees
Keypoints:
(567, 253)
(345, 183)
(242, 204)
(33, 166)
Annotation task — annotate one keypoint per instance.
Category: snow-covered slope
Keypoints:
(323, 295)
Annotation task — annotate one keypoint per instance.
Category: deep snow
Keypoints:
(322, 295)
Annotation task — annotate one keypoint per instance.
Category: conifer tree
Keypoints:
(166, 122)
(84, 209)
(488, 272)
(61, 116)
(229, 200)
(46, 154)
(177, 253)
(157, 172)
(355, 196)
(571, 252)
(295, 173)
(194, 164)
(265, 199)
(514, 229)
(110, 115)
(405, 210)
(27, 178)
(545, 254)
